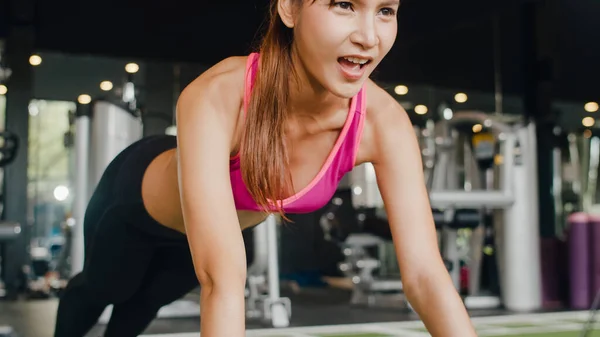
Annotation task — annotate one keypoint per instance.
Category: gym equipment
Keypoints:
(579, 261)
(521, 279)
(582, 172)
(263, 300)
(357, 237)
(583, 231)
(517, 197)
(455, 220)
(594, 238)
(359, 266)
(591, 156)
(9, 230)
(444, 175)
(483, 264)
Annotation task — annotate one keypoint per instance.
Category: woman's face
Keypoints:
(339, 43)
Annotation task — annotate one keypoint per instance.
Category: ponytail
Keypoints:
(264, 162)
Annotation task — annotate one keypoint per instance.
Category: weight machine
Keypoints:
(518, 243)
(359, 265)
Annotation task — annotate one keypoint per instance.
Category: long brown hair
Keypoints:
(264, 165)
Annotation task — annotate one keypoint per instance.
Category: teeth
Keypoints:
(356, 60)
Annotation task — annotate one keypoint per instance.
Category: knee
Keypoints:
(99, 290)
(113, 292)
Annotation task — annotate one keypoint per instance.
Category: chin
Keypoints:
(345, 89)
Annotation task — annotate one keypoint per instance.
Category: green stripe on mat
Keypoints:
(595, 333)
(513, 325)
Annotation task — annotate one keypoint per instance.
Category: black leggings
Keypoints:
(131, 261)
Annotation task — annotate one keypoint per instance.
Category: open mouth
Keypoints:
(353, 62)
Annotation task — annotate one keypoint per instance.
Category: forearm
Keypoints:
(223, 312)
(439, 306)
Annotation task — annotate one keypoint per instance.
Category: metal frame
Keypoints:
(517, 196)
(263, 300)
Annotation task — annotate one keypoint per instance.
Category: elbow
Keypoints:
(204, 278)
(227, 278)
(423, 283)
(418, 291)
(414, 285)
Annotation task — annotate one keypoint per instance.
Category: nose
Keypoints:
(365, 34)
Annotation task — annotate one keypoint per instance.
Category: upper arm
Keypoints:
(206, 122)
(396, 157)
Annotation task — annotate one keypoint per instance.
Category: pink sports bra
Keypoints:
(321, 189)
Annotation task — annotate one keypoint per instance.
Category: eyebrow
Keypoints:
(390, 2)
(382, 3)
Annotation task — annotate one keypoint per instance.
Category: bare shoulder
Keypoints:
(382, 107)
(384, 117)
(221, 87)
(214, 99)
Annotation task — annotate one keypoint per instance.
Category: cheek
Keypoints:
(387, 37)
(322, 33)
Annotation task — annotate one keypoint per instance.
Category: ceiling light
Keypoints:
(35, 60)
(84, 99)
(132, 68)
(461, 97)
(401, 90)
(421, 109)
(588, 121)
(106, 85)
(591, 107)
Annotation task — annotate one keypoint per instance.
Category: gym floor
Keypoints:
(316, 313)
(565, 324)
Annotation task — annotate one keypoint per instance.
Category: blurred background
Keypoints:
(461, 69)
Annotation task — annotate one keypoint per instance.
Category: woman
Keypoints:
(284, 124)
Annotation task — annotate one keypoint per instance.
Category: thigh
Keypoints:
(170, 276)
(118, 256)
(103, 197)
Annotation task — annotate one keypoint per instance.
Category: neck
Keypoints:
(307, 96)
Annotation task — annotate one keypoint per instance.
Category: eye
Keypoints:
(343, 5)
(388, 11)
